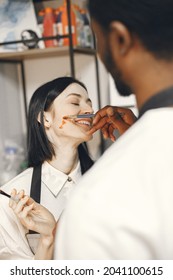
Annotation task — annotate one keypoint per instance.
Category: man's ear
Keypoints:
(120, 38)
(46, 119)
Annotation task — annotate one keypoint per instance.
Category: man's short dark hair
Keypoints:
(150, 20)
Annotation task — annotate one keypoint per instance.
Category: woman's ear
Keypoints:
(46, 119)
(120, 38)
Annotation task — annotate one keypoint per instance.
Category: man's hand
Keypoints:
(110, 118)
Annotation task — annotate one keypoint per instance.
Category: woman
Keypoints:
(36, 217)
(57, 159)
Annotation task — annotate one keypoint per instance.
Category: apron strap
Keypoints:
(35, 191)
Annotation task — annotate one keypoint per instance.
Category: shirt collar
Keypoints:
(162, 99)
(55, 179)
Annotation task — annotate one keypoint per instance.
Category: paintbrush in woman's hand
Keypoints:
(6, 194)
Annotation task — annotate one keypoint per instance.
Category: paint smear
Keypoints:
(62, 124)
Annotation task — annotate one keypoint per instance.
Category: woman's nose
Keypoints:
(87, 109)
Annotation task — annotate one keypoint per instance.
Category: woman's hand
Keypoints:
(33, 215)
(110, 118)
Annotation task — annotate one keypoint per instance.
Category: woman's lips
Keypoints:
(87, 122)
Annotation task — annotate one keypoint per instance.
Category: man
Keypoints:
(122, 206)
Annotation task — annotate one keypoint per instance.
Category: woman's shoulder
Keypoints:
(21, 181)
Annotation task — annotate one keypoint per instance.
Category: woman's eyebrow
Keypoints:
(78, 95)
(75, 94)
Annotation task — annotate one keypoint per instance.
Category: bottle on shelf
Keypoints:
(59, 28)
(49, 26)
(12, 158)
(79, 26)
(62, 24)
(88, 35)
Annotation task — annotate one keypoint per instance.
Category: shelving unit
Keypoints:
(19, 57)
(42, 53)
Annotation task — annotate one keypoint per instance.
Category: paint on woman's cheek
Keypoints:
(62, 124)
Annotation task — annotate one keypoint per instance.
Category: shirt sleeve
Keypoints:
(13, 242)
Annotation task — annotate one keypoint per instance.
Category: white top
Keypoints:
(123, 206)
(55, 190)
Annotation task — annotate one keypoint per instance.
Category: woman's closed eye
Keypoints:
(75, 103)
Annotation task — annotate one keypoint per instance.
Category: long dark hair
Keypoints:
(150, 20)
(39, 146)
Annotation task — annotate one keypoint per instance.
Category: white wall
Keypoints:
(12, 118)
(12, 122)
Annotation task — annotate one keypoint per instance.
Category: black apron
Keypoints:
(35, 192)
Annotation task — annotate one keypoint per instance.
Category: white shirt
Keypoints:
(123, 206)
(55, 190)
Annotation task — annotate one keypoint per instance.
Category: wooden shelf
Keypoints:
(34, 53)
(40, 53)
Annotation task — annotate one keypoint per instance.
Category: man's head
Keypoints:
(123, 26)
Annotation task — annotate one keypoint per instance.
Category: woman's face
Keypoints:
(73, 100)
